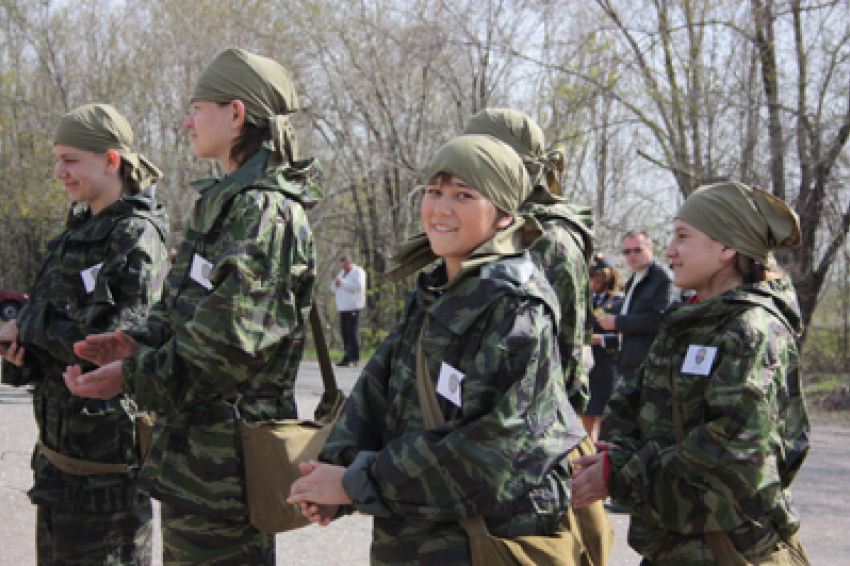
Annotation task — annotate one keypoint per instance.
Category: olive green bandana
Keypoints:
(748, 220)
(263, 86)
(496, 171)
(526, 138)
(99, 128)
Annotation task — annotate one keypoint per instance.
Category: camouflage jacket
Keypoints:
(231, 321)
(745, 421)
(498, 454)
(103, 272)
(562, 253)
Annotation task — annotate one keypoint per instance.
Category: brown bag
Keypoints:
(591, 524)
(789, 553)
(560, 549)
(274, 449)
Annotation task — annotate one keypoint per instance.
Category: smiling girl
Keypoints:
(103, 272)
(707, 436)
(480, 428)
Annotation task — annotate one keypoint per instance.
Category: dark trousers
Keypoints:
(214, 541)
(77, 539)
(349, 323)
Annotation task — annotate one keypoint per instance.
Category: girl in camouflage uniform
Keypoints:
(225, 342)
(102, 272)
(706, 438)
(486, 320)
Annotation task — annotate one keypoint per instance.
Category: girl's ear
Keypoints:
(113, 161)
(237, 108)
(504, 222)
(727, 254)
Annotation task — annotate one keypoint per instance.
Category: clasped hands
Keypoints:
(107, 350)
(589, 477)
(319, 493)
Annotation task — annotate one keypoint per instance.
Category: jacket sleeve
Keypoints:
(361, 422)
(566, 269)
(648, 322)
(356, 283)
(251, 308)
(710, 481)
(491, 456)
(129, 281)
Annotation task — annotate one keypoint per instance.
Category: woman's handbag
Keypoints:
(274, 449)
(559, 549)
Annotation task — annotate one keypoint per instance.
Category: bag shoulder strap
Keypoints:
(432, 417)
(717, 541)
(325, 366)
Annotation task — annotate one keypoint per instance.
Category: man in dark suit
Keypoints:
(649, 292)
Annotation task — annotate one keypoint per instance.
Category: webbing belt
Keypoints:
(77, 467)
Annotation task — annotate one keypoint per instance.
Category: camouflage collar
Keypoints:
(458, 305)
(299, 181)
(83, 226)
(777, 297)
(578, 218)
(249, 171)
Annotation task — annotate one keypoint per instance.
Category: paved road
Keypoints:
(820, 493)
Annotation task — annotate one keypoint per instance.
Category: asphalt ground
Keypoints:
(820, 493)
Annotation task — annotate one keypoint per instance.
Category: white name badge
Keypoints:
(90, 276)
(699, 359)
(200, 271)
(448, 384)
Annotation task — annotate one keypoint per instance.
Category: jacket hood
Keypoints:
(142, 204)
(578, 218)
(778, 297)
(458, 303)
(301, 181)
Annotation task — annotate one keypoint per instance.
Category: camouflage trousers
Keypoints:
(68, 538)
(213, 541)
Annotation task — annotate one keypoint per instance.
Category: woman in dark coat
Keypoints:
(606, 285)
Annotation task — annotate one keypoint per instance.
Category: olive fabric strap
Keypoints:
(717, 541)
(432, 417)
(77, 467)
(325, 366)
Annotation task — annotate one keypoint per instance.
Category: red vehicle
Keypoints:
(11, 303)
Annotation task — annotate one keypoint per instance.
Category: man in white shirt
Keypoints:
(349, 287)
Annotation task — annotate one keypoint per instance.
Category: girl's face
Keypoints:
(457, 219)
(213, 128)
(598, 282)
(696, 258)
(88, 176)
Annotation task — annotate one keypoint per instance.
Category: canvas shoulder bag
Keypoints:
(274, 449)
